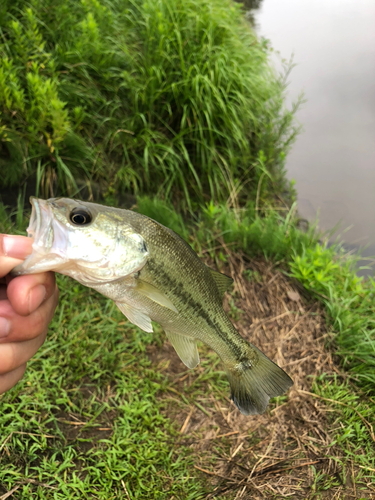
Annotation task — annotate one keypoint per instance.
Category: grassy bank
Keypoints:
(85, 422)
(177, 102)
(327, 272)
(349, 301)
(101, 408)
(155, 96)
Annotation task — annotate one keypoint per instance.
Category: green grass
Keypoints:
(352, 417)
(269, 232)
(164, 213)
(327, 272)
(159, 96)
(91, 374)
(93, 371)
(168, 98)
(349, 300)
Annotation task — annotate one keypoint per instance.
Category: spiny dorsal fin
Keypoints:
(136, 316)
(154, 294)
(186, 349)
(223, 282)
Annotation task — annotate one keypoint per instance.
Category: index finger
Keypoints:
(13, 250)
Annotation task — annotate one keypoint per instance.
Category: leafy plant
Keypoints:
(156, 96)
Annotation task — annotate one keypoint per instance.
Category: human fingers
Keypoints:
(13, 250)
(27, 293)
(17, 328)
(15, 354)
(8, 380)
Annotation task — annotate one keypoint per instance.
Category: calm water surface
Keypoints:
(333, 160)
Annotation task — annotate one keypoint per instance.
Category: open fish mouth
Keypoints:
(40, 225)
(89, 254)
(35, 224)
(42, 230)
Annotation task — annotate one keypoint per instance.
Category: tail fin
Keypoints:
(255, 381)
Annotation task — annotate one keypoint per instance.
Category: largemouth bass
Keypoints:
(152, 275)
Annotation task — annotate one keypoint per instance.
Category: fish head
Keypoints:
(89, 242)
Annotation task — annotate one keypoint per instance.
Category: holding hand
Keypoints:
(27, 305)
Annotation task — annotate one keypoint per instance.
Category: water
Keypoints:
(333, 160)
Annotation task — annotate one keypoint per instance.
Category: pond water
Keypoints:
(333, 159)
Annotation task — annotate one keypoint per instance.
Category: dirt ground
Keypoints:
(272, 455)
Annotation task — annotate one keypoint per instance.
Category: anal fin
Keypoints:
(186, 349)
(136, 316)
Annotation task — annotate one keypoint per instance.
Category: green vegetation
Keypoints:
(352, 417)
(273, 236)
(154, 96)
(177, 103)
(327, 272)
(90, 416)
(350, 303)
(85, 422)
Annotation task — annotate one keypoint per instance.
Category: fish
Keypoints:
(151, 274)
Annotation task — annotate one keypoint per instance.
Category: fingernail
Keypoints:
(18, 247)
(36, 297)
(4, 327)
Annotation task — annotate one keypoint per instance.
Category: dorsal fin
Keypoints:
(185, 347)
(223, 282)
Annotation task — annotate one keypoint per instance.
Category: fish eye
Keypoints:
(80, 216)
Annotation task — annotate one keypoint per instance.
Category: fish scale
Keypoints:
(152, 275)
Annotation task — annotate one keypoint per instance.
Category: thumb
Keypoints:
(13, 250)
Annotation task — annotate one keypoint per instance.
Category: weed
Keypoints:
(89, 416)
(349, 300)
(353, 422)
(327, 272)
(156, 96)
(85, 421)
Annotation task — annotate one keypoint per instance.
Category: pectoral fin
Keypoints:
(136, 316)
(154, 294)
(223, 282)
(186, 349)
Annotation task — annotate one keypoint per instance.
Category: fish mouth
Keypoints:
(40, 227)
(42, 231)
(35, 219)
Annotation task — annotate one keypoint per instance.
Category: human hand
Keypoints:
(27, 304)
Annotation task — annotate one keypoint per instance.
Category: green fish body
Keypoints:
(152, 275)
